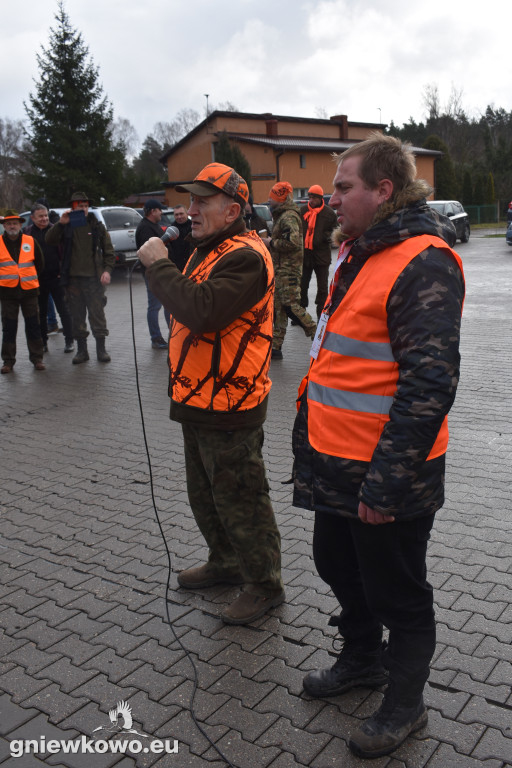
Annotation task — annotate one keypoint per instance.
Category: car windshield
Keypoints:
(122, 218)
(167, 219)
(439, 207)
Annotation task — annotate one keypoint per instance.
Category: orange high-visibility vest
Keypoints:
(22, 273)
(352, 383)
(226, 370)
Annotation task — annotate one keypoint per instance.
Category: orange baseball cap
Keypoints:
(215, 178)
(316, 189)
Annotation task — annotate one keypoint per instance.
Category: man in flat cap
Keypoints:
(88, 259)
(219, 354)
(21, 261)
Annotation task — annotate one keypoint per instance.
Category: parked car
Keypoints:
(264, 213)
(120, 222)
(509, 233)
(457, 215)
(305, 200)
(167, 219)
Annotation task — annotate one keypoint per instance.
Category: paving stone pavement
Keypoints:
(83, 569)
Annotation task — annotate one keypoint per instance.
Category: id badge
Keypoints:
(319, 335)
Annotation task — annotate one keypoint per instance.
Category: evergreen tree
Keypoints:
(230, 154)
(479, 194)
(148, 171)
(446, 180)
(490, 197)
(71, 123)
(467, 189)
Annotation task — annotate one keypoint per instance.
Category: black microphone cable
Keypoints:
(169, 562)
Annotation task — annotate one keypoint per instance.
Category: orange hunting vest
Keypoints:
(22, 273)
(226, 370)
(352, 383)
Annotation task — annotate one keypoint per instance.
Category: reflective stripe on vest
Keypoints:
(227, 370)
(352, 383)
(22, 273)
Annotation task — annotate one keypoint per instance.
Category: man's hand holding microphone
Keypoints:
(155, 248)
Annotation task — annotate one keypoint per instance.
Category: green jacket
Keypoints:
(86, 251)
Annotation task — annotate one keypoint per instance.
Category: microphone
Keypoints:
(171, 233)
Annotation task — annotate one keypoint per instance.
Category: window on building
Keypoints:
(302, 161)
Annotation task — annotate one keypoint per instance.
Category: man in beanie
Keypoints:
(319, 221)
(87, 262)
(220, 341)
(287, 253)
(21, 261)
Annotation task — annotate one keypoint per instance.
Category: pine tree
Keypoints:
(71, 123)
(446, 180)
(230, 154)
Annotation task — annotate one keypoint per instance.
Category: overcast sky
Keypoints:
(368, 59)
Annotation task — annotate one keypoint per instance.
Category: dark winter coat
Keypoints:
(320, 254)
(424, 315)
(86, 251)
(52, 253)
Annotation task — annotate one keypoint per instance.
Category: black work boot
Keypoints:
(82, 354)
(101, 352)
(353, 667)
(389, 726)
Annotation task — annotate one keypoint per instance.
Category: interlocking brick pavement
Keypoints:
(83, 570)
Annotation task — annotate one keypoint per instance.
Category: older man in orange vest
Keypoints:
(371, 433)
(21, 260)
(220, 342)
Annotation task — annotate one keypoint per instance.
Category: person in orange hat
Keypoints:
(287, 254)
(319, 221)
(21, 261)
(220, 340)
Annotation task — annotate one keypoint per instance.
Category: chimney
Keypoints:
(271, 127)
(343, 122)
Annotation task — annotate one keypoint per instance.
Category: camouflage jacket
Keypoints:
(424, 314)
(286, 244)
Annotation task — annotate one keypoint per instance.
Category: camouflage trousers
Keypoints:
(287, 304)
(86, 296)
(30, 309)
(229, 496)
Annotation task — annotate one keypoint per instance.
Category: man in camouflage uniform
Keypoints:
(374, 511)
(220, 341)
(287, 253)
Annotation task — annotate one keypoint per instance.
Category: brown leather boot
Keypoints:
(207, 576)
(247, 607)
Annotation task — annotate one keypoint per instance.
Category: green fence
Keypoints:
(484, 214)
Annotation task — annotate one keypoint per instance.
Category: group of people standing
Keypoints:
(370, 436)
(71, 259)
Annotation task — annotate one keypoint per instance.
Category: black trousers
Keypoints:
(27, 302)
(54, 288)
(322, 285)
(378, 573)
